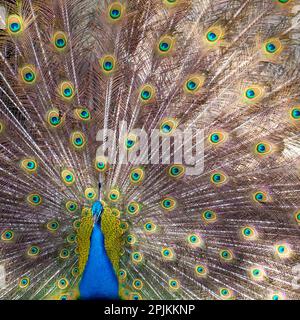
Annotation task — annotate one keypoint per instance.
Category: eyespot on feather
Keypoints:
(15, 25)
(68, 177)
(253, 94)
(28, 74)
(193, 84)
(116, 12)
(30, 166)
(168, 126)
(60, 41)
(165, 45)
(101, 164)
(66, 91)
(137, 176)
(171, 3)
(213, 36)
(147, 94)
(54, 118)
(108, 64)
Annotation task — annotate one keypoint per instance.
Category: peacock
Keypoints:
(149, 149)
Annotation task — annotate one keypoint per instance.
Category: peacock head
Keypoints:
(97, 210)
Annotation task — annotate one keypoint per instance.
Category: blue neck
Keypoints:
(99, 280)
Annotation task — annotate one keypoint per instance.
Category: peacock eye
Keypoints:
(176, 171)
(33, 251)
(78, 140)
(150, 227)
(277, 296)
(68, 177)
(54, 118)
(101, 164)
(66, 90)
(71, 206)
(250, 93)
(253, 94)
(167, 253)
(122, 274)
(108, 64)
(29, 165)
(60, 41)
(171, 3)
(15, 24)
(260, 197)
(201, 270)
(209, 216)
(226, 255)
(76, 224)
(24, 282)
(15, 27)
(165, 45)
(283, 250)
(131, 239)
(137, 176)
(90, 194)
(295, 113)
(137, 284)
(82, 114)
(28, 74)
(297, 216)
(263, 148)
(131, 141)
(7, 235)
(116, 11)
(257, 273)
(64, 254)
(193, 84)
(52, 225)
(34, 199)
(133, 208)
(168, 126)
(147, 93)
(211, 36)
(249, 233)
(114, 195)
(194, 240)
(168, 203)
(63, 283)
(135, 296)
(71, 238)
(174, 284)
(216, 138)
(218, 178)
(214, 35)
(137, 257)
(272, 48)
(226, 293)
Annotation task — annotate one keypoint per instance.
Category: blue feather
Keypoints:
(99, 280)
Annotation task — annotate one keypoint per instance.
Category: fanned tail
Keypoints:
(217, 81)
